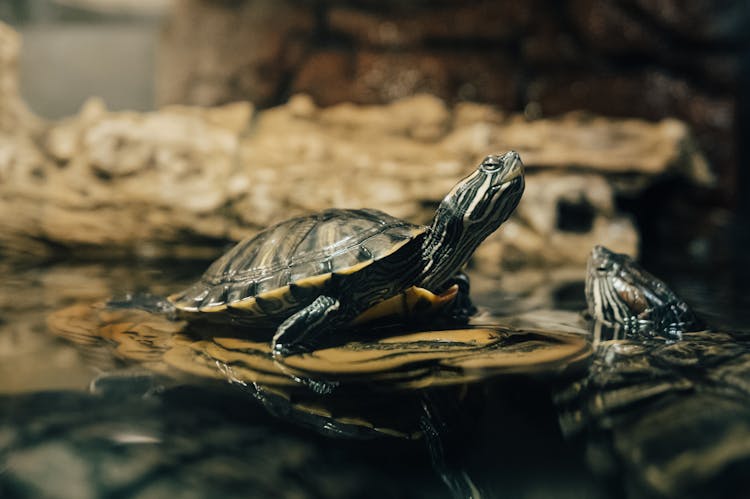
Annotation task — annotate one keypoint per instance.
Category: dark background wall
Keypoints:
(639, 58)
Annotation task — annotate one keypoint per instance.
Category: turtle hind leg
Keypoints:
(300, 332)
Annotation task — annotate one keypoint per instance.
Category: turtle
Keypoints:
(315, 274)
(666, 397)
(621, 294)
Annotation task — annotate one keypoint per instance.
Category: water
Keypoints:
(70, 428)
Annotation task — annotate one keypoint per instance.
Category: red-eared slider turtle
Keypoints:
(665, 406)
(311, 275)
(621, 294)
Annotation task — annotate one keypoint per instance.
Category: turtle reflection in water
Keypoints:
(397, 363)
(313, 275)
(401, 385)
(668, 398)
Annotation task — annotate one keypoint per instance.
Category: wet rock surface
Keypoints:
(675, 415)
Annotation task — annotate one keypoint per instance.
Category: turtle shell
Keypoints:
(279, 269)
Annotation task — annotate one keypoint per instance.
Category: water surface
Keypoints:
(148, 436)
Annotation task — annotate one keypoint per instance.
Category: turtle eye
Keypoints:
(491, 167)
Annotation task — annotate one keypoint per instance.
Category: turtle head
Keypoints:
(620, 293)
(486, 198)
(473, 210)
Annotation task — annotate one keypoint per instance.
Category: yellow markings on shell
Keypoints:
(316, 281)
(281, 294)
(213, 308)
(407, 304)
(248, 305)
(354, 268)
(251, 305)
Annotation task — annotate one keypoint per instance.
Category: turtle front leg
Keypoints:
(299, 332)
(462, 307)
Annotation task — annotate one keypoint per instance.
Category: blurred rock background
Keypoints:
(529, 60)
(623, 58)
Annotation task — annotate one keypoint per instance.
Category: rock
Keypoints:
(190, 443)
(148, 175)
(41, 469)
(123, 179)
(586, 142)
(14, 115)
(561, 215)
(652, 95)
(423, 117)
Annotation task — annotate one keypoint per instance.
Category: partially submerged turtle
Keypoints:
(667, 400)
(311, 275)
(621, 294)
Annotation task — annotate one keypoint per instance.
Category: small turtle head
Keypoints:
(619, 292)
